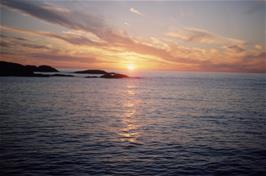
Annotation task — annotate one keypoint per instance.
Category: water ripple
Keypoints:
(184, 125)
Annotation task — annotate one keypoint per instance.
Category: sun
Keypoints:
(130, 67)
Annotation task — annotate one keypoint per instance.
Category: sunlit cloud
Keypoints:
(151, 50)
(89, 40)
(135, 11)
(202, 36)
(259, 47)
(235, 48)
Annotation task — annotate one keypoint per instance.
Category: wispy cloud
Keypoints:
(202, 36)
(153, 49)
(135, 11)
(235, 48)
(89, 38)
(69, 19)
(51, 13)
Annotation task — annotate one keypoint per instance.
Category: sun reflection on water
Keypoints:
(129, 132)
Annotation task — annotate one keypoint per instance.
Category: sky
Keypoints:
(212, 36)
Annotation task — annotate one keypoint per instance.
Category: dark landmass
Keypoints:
(41, 68)
(100, 72)
(114, 76)
(103, 74)
(61, 75)
(92, 77)
(110, 76)
(46, 68)
(14, 69)
(40, 75)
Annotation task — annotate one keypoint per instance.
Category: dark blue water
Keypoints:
(174, 124)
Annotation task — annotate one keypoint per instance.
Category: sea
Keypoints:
(159, 124)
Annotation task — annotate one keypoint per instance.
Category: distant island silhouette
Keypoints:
(15, 69)
(92, 72)
(41, 68)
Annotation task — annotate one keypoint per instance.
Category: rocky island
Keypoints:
(100, 72)
(41, 68)
(15, 69)
(114, 76)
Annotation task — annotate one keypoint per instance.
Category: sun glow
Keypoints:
(130, 67)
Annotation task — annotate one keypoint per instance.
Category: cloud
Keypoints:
(135, 11)
(257, 6)
(73, 20)
(202, 36)
(4, 44)
(259, 47)
(126, 23)
(258, 57)
(157, 50)
(87, 23)
(72, 37)
(90, 31)
(60, 16)
(64, 57)
(77, 38)
(137, 46)
(21, 46)
(235, 48)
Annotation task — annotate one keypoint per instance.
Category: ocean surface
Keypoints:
(161, 124)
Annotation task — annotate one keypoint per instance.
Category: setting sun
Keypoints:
(131, 67)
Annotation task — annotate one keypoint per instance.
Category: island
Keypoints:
(97, 72)
(41, 68)
(102, 73)
(114, 76)
(15, 69)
